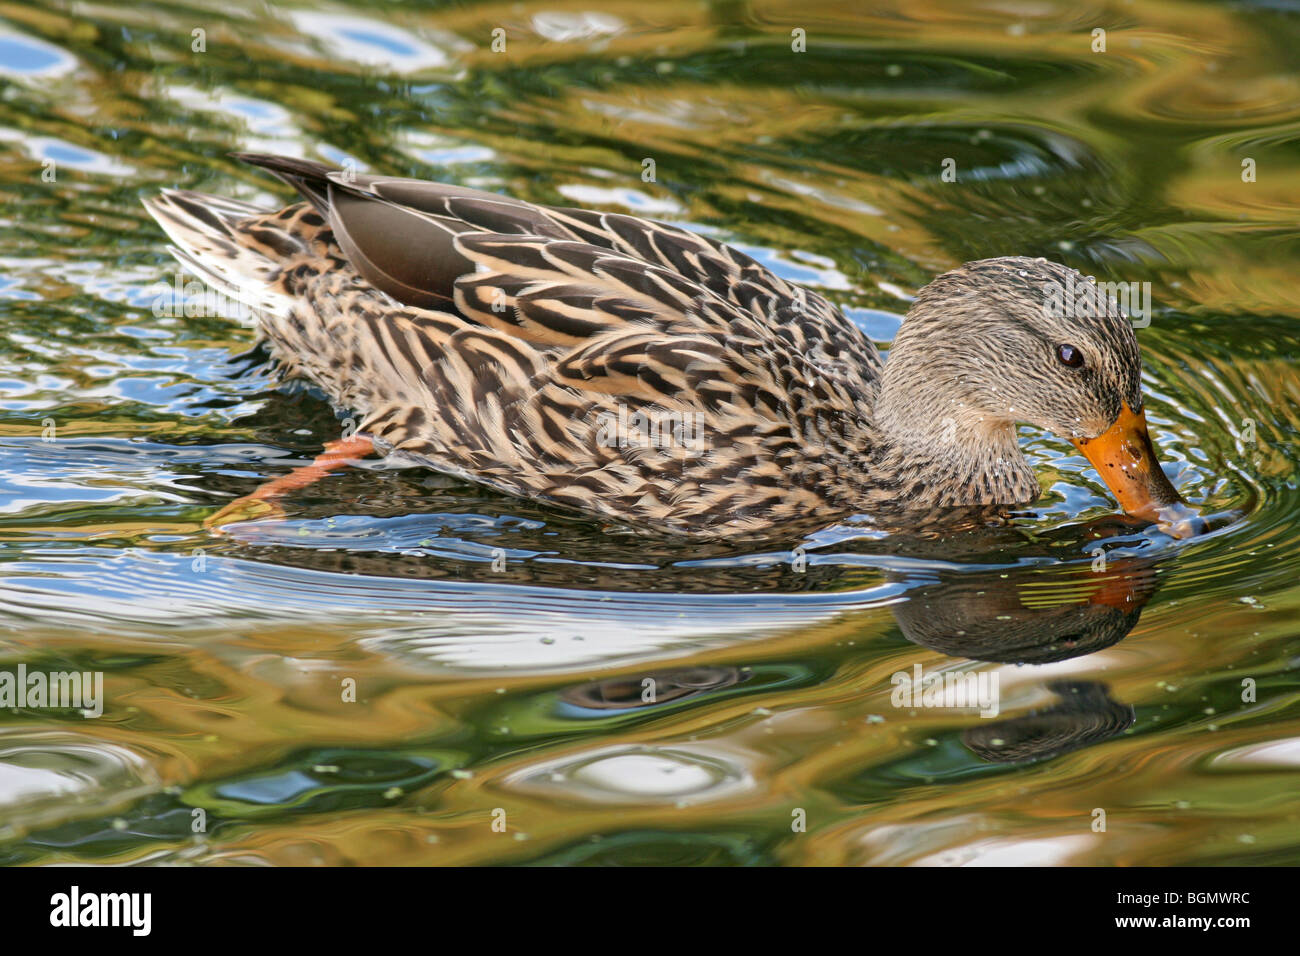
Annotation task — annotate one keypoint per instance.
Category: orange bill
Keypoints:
(1126, 460)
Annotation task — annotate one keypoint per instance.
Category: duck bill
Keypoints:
(1126, 460)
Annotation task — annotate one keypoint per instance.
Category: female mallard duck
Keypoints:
(646, 374)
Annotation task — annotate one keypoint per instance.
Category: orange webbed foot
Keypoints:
(247, 508)
(262, 504)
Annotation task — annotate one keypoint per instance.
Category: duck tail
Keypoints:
(235, 247)
(310, 178)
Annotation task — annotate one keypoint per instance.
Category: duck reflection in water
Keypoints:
(1009, 616)
(1014, 617)
(1084, 715)
(1032, 617)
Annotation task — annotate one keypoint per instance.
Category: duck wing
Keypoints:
(396, 232)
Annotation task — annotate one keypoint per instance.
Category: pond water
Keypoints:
(412, 670)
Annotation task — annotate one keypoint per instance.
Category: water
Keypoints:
(409, 660)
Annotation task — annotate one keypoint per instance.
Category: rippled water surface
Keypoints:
(501, 650)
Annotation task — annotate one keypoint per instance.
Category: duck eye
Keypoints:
(1070, 356)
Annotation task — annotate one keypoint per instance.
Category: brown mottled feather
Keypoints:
(486, 337)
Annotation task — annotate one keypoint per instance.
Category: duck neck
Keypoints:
(941, 448)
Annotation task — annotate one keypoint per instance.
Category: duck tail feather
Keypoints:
(309, 177)
(207, 243)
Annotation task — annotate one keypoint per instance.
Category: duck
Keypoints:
(652, 377)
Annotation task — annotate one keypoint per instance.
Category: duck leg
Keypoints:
(262, 502)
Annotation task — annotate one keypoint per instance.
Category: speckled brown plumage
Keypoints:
(515, 345)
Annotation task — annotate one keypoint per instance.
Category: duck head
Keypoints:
(1001, 341)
